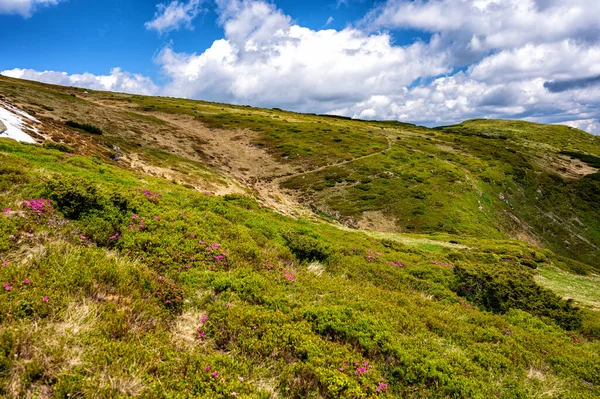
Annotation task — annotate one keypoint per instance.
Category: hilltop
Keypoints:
(161, 247)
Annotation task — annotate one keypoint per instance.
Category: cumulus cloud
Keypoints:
(492, 24)
(265, 59)
(118, 81)
(24, 7)
(175, 15)
(523, 59)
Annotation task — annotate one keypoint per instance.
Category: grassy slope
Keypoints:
(492, 179)
(123, 314)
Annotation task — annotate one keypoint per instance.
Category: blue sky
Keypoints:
(94, 36)
(427, 61)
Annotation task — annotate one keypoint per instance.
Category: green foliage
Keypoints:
(132, 286)
(86, 127)
(509, 288)
(12, 172)
(58, 147)
(7, 234)
(305, 247)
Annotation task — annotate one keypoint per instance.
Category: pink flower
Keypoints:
(381, 387)
(228, 305)
(201, 334)
(4, 263)
(207, 368)
(233, 393)
(215, 374)
(241, 379)
(204, 318)
(26, 281)
(45, 299)
(8, 287)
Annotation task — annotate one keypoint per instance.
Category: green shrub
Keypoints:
(75, 197)
(306, 248)
(86, 127)
(7, 229)
(499, 290)
(12, 172)
(59, 147)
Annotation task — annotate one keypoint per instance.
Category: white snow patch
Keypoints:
(12, 118)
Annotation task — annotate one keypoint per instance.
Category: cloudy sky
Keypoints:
(430, 62)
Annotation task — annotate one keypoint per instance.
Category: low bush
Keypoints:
(59, 147)
(86, 127)
(305, 247)
(500, 290)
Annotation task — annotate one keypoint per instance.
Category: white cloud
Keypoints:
(24, 7)
(329, 21)
(174, 15)
(265, 59)
(565, 59)
(493, 24)
(118, 81)
(525, 59)
(588, 125)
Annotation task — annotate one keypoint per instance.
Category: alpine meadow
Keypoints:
(157, 247)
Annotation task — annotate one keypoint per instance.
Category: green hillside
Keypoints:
(167, 248)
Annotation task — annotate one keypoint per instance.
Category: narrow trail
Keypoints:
(249, 166)
(276, 198)
(281, 178)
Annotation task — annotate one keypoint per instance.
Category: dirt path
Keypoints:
(283, 201)
(232, 153)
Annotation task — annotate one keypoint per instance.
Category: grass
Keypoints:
(582, 289)
(128, 285)
(126, 317)
(486, 178)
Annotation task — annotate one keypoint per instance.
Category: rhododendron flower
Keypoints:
(38, 206)
(8, 287)
(215, 374)
(45, 299)
(26, 281)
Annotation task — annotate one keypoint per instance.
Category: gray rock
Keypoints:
(2, 127)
